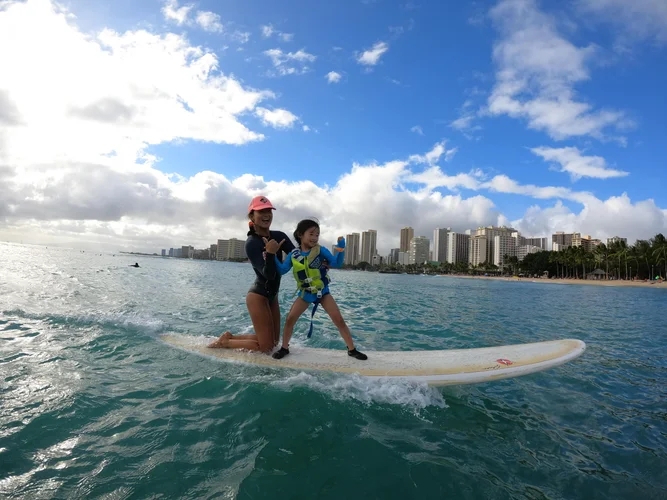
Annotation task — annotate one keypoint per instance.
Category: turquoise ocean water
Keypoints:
(93, 405)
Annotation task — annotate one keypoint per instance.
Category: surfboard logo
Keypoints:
(503, 361)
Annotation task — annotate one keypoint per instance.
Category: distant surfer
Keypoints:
(262, 247)
(307, 263)
(136, 264)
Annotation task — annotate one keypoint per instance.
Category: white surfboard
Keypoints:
(436, 368)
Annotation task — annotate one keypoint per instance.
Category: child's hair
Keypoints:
(251, 224)
(304, 226)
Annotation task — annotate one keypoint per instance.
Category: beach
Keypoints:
(558, 281)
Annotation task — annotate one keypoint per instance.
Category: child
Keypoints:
(307, 262)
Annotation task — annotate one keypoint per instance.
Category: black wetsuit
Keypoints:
(267, 279)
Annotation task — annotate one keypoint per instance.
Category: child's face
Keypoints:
(311, 237)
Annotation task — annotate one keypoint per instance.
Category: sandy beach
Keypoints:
(643, 284)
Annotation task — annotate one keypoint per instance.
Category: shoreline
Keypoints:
(567, 281)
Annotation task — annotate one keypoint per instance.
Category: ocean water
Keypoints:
(93, 405)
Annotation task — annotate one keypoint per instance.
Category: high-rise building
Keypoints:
(393, 256)
(458, 248)
(490, 233)
(561, 240)
(504, 245)
(407, 233)
(213, 252)
(164, 252)
(230, 249)
(171, 252)
(352, 249)
(440, 243)
(540, 243)
(524, 250)
(368, 245)
(616, 239)
(477, 253)
(585, 241)
(419, 247)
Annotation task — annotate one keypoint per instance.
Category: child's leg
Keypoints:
(330, 306)
(295, 312)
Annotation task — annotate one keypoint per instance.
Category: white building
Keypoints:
(403, 258)
(524, 250)
(477, 253)
(230, 249)
(616, 239)
(419, 247)
(504, 245)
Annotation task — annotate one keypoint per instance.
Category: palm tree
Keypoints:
(602, 255)
(660, 251)
(644, 252)
(621, 250)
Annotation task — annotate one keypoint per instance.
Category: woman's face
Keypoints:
(263, 218)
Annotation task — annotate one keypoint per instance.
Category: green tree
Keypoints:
(659, 252)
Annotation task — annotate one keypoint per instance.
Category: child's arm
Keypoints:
(338, 259)
(284, 267)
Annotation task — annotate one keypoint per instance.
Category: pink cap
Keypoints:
(260, 203)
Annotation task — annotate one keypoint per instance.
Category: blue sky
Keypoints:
(512, 89)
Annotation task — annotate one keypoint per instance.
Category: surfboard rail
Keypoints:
(435, 367)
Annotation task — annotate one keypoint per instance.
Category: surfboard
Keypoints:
(435, 367)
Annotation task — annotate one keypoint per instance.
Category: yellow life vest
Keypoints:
(309, 279)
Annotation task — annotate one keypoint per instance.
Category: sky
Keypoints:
(149, 124)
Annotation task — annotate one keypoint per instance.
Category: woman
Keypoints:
(262, 298)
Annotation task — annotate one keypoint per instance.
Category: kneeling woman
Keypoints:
(307, 261)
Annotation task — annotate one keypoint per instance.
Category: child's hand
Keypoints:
(340, 246)
(272, 246)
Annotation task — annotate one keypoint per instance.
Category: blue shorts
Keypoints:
(312, 297)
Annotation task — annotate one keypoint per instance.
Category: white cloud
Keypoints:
(536, 72)
(172, 12)
(241, 36)
(372, 56)
(290, 63)
(277, 118)
(573, 162)
(209, 21)
(306, 128)
(417, 130)
(268, 31)
(636, 19)
(109, 96)
(333, 77)
(74, 166)
(433, 156)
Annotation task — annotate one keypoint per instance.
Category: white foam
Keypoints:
(342, 387)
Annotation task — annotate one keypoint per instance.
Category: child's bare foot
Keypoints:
(227, 335)
(220, 342)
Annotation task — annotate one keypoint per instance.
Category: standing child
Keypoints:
(307, 263)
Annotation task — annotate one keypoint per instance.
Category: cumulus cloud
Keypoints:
(182, 16)
(333, 77)
(277, 118)
(577, 165)
(537, 69)
(290, 63)
(372, 56)
(74, 166)
(268, 31)
(417, 130)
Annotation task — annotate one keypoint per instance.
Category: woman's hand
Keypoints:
(272, 246)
